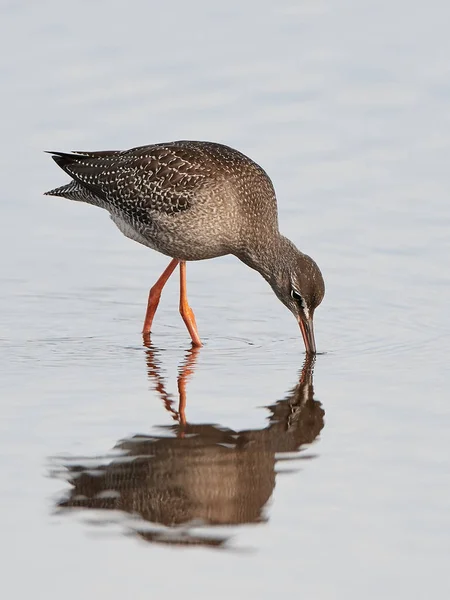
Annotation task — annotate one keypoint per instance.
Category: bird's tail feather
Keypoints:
(74, 191)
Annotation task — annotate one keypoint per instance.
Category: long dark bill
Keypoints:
(307, 329)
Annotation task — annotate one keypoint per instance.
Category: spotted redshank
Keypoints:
(192, 201)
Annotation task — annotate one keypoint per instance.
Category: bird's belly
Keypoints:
(172, 238)
(131, 232)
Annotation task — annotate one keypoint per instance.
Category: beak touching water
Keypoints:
(307, 329)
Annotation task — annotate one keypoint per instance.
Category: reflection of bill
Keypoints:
(203, 473)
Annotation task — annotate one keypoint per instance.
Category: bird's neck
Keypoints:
(270, 256)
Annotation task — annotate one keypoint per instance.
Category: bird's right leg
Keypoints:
(185, 310)
(155, 295)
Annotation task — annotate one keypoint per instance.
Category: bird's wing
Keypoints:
(163, 177)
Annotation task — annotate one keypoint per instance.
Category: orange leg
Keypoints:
(155, 295)
(185, 309)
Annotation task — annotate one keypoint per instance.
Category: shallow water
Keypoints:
(229, 471)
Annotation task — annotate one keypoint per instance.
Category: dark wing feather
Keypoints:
(81, 153)
(163, 178)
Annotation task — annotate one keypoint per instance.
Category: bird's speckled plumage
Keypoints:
(183, 199)
(192, 201)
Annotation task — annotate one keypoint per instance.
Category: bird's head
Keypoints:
(300, 287)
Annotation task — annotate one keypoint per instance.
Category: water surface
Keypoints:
(270, 476)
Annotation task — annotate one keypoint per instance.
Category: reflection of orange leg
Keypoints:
(185, 372)
(185, 309)
(182, 402)
(155, 295)
(153, 370)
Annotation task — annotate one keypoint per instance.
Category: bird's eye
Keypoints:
(296, 296)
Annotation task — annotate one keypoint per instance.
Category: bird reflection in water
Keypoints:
(200, 474)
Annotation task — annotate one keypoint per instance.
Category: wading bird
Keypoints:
(192, 201)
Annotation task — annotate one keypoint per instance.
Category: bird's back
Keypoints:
(187, 199)
(166, 178)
